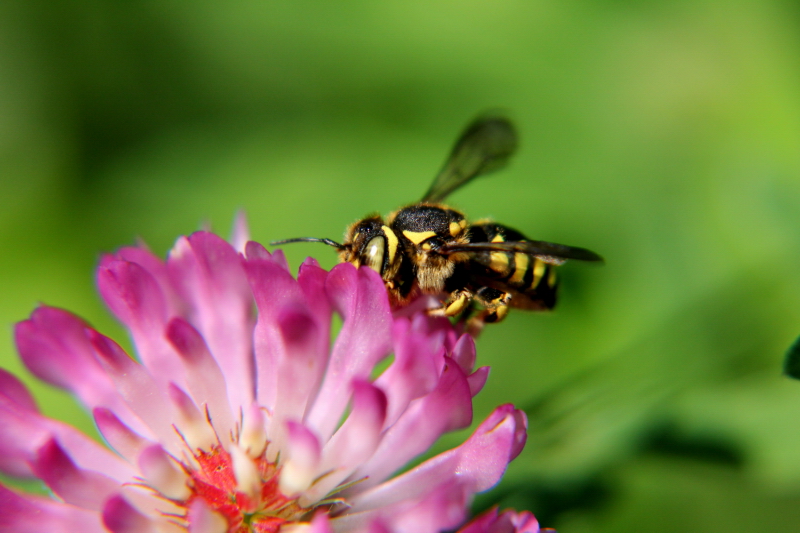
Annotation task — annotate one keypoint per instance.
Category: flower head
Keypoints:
(242, 414)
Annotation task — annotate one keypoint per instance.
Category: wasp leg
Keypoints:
(495, 307)
(455, 303)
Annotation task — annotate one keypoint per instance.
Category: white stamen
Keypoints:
(191, 423)
(248, 479)
(295, 477)
(253, 438)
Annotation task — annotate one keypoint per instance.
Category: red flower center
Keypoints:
(215, 483)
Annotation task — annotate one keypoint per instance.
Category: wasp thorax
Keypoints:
(421, 222)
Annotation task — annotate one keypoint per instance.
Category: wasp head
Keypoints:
(370, 242)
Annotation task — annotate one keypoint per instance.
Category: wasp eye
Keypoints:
(374, 253)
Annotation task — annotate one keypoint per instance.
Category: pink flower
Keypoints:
(242, 414)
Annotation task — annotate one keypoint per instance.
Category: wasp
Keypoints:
(430, 248)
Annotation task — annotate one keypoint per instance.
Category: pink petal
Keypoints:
(464, 353)
(88, 454)
(34, 514)
(303, 333)
(359, 435)
(275, 292)
(121, 517)
(377, 526)
(279, 258)
(204, 377)
(320, 524)
(162, 473)
(25, 431)
(120, 437)
(21, 434)
(447, 408)
(301, 459)
(14, 391)
(523, 522)
(507, 522)
(417, 365)
(360, 297)
(136, 298)
(54, 345)
(482, 523)
(477, 380)
(137, 387)
(82, 488)
(193, 425)
(312, 280)
(156, 267)
(440, 507)
(477, 464)
(209, 275)
(255, 251)
(520, 431)
(301, 363)
(354, 441)
(204, 520)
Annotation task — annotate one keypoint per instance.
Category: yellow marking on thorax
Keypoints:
(521, 263)
(499, 262)
(498, 238)
(391, 240)
(456, 228)
(418, 236)
(538, 272)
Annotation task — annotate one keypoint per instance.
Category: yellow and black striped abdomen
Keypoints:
(531, 281)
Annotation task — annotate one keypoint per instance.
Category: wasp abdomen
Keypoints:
(533, 281)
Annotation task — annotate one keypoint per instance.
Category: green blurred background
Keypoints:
(663, 134)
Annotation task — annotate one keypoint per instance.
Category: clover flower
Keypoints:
(245, 411)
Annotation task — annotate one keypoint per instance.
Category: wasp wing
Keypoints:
(485, 146)
(548, 252)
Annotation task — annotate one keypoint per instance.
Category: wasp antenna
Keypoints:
(329, 242)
